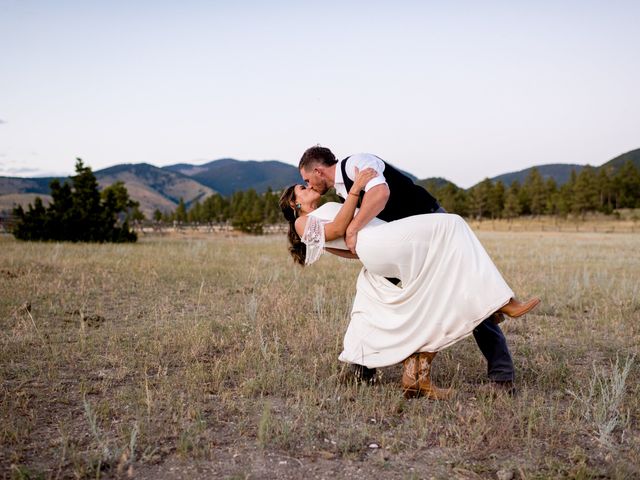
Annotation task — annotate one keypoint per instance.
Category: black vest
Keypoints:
(405, 197)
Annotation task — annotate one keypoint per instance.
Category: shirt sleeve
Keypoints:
(366, 160)
(313, 238)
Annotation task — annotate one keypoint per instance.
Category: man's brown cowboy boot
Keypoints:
(515, 308)
(416, 378)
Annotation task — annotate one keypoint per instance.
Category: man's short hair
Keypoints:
(315, 155)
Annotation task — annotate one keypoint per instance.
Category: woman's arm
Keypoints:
(338, 227)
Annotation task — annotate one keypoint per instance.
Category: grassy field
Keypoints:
(217, 357)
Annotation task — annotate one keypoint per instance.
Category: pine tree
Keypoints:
(480, 197)
(605, 190)
(122, 202)
(565, 197)
(31, 225)
(86, 212)
(180, 214)
(196, 213)
(524, 200)
(77, 213)
(271, 212)
(496, 200)
(551, 189)
(627, 186)
(585, 192)
(247, 208)
(60, 210)
(512, 207)
(536, 192)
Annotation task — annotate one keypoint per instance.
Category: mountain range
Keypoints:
(162, 188)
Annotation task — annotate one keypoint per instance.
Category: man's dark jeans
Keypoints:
(493, 346)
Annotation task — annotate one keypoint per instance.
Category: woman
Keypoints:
(448, 282)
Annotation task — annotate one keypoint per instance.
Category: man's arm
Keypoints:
(373, 203)
(341, 253)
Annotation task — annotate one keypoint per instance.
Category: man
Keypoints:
(390, 196)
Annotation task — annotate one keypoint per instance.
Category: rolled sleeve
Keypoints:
(366, 160)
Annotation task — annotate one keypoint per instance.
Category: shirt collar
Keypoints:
(338, 175)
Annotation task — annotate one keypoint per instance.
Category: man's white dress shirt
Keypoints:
(362, 161)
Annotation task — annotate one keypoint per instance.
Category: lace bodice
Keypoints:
(313, 236)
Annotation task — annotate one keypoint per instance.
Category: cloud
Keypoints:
(10, 171)
(13, 168)
(2, 121)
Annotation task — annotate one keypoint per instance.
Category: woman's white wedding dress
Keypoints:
(449, 284)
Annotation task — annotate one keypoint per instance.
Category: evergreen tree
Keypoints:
(77, 213)
(605, 189)
(453, 199)
(626, 184)
(524, 200)
(585, 192)
(215, 209)
(551, 189)
(496, 200)
(60, 210)
(271, 212)
(196, 213)
(86, 212)
(122, 204)
(247, 210)
(536, 192)
(180, 214)
(564, 199)
(31, 225)
(480, 198)
(512, 206)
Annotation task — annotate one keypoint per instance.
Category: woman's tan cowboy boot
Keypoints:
(515, 309)
(416, 378)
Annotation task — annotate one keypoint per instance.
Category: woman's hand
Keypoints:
(362, 178)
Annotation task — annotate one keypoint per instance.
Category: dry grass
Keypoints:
(218, 357)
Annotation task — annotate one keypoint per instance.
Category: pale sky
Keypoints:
(461, 90)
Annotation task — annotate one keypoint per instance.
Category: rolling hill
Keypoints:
(228, 175)
(153, 187)
(23, 191)
(615, 163)
(560, 172)
(19, 185)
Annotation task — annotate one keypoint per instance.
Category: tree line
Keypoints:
(80, 212)
(591, 190)
(247, 211)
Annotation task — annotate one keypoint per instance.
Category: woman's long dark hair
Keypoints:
(297, 248)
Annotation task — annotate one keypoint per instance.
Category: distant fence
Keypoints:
(7, 221)
(159, 228)
(516, 225)
(549, 225)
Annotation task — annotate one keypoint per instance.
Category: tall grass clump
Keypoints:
(603, 400)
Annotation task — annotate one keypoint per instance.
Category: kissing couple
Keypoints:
(426, 283)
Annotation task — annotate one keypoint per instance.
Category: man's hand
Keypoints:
(351, 238)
